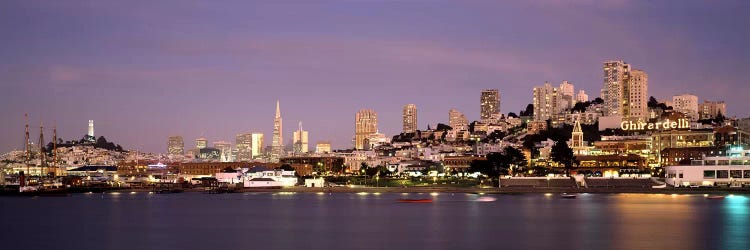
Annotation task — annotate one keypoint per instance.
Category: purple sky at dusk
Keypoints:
(145, 70)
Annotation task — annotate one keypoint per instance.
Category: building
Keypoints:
(686, 104)
(323, 148)
(91, 128)
(489, 103)
(709, 109)
(277, 146)
(567, 95)
(744, 124)
(582, 96)
(257, 145)
(244, 144)
(576, 139)
(547, 102)
(201, 143)
(625, 91)
(732, 170)
(457, 119)
(225, 151)
(175, 146)
(300, 140)
(638, 96)
(365, 124)
(316, 163)
(409, 118)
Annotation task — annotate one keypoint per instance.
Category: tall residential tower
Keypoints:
(366, 124)
(409, 118)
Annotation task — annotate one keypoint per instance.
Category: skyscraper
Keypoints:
(277, 146)
(201, 143)
(257, 145)
(300, 140)
(489, 103)
(409, 118)
(175, 146)
(638, 94)
(244, 143)
(456, 119)
(625, 91)
(547, 102)
(366, 124)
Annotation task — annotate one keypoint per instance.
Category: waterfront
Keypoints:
(288, 220)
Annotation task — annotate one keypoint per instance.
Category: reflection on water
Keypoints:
(288, 220)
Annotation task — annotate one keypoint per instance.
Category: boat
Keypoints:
(486, 199)
(568, 196)
(660, 186)
(715, 197)
(415, 200)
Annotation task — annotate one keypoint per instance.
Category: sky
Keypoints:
(145, 70)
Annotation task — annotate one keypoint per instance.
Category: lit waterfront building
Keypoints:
(457, 119)
(686, 104)
(300, 140)
(201, 143)
(277, 146)
(709, 109)
(244, 143)
(582, 96)
(732, 170)
(323, 148)
(225, 149)
(547, 102)
(175, 146)
(409, 118)
(366, 124)
(489, 103)
(257, 145)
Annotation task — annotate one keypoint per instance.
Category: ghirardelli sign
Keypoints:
(664, 125)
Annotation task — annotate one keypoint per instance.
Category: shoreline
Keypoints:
(473, 190)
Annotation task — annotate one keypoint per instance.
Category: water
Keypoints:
(370, 221)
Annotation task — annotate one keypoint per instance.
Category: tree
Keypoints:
(563, 154)
(511, 114)
(443, 127)
(719, 118)
(597, 101)
(515, 157)
(529, 110)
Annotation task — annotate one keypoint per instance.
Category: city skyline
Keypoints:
(216, 79)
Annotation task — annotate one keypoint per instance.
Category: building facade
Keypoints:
(300, 140)
(409, 118)
(277, 146)
(457, 119)
(243, 143)
(365, 124)
(625, 91)
(489, 103)
(686, 104)
(201, 143)
(547, 102)
(323, 148)
(709, 109)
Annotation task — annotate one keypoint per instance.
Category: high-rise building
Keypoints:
(638, 95)
(625, 91)
(366, 124)
(91, 128)
(547, 102)
(323, 148)
(457, 119)
(300, 140)
(567, 95)
(257, 145)
(409, 118)
(201, 143)
(686, 104)
(225, 150)
(709, 109)
(582, 96)
(277, 146)
(175, 146)
(489, 103)
(244, 144)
